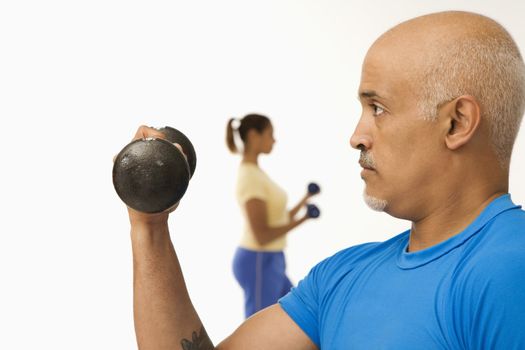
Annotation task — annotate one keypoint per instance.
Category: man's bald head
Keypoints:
(445, 55)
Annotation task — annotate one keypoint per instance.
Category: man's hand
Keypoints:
(139, 218)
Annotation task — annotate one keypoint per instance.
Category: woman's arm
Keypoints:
(258, 220)
(293, 212)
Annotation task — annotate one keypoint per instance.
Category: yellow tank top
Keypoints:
(253, 183)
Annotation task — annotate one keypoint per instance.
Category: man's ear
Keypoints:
(464, 115)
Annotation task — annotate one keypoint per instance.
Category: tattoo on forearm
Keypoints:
(198, 342)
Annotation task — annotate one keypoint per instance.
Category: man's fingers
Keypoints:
(144, 132)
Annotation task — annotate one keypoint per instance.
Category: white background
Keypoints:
(78, 77)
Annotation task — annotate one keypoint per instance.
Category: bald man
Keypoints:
(443, 97)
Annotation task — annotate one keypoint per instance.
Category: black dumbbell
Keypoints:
(151, 175)
(313, 188)
(175, 136)
(312, 211)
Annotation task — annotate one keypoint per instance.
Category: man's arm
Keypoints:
(270, 328)
(164, 315)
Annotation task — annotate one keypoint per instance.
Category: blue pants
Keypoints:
(262, 277)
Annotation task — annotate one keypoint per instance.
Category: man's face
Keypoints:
(400, 151)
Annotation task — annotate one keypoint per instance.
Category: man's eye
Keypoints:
(378, 110)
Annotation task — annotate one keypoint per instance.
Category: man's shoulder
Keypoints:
(502, 239)
(497, 255)
(486, 295)
(509, 229)
(512, 220)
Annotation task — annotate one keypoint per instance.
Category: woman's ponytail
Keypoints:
(230, 140)
(256, 122)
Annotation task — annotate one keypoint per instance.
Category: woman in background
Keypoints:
(259, 263)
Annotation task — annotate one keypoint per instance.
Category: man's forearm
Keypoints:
(164, 315)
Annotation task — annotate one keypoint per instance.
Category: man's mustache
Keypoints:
(366, 160)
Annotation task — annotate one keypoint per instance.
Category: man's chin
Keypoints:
(375, 203)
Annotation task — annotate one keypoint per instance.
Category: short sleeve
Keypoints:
(251, 185)
(302, 305)
(306, 303)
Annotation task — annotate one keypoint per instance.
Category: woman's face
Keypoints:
(267, 139)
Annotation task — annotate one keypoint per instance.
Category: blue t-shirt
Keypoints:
(467, 292)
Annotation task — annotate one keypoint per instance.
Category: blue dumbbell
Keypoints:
(313, 188)
(312, 211)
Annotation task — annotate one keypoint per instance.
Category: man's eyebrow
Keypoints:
(369, 94)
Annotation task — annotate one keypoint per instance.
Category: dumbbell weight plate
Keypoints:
(313, 188)
(313, 211)
(175, 136)
(150, 175)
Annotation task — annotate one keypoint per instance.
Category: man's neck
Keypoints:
(450, 218)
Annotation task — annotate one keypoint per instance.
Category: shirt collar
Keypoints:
(413, 260)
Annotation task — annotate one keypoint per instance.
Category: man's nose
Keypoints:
(361, 138)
